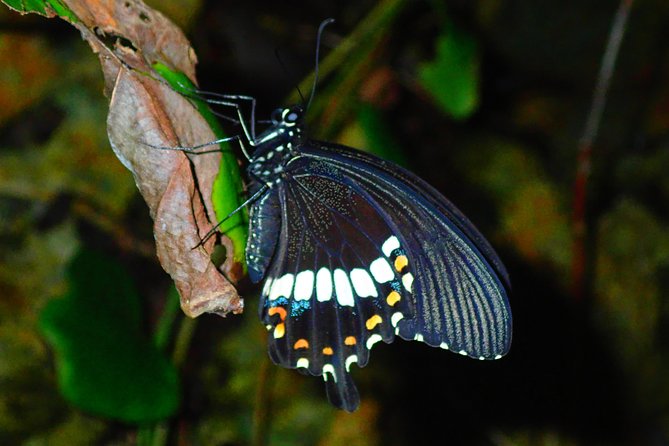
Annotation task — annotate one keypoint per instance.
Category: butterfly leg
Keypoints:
(251, 199)
(248, 134)
(195, 150)
(202, 94)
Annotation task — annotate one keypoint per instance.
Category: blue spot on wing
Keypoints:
(297, 307)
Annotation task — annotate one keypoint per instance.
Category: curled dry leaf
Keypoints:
(129, 37)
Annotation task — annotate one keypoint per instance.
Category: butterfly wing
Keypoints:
(460, 283)
(330, 292)
(356, 250)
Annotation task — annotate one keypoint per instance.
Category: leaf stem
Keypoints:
(585, 146)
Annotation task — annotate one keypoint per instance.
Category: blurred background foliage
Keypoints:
(486, 100)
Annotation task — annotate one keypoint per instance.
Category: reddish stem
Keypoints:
(585, 148)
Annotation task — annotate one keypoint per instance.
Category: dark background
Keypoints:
(589, 359)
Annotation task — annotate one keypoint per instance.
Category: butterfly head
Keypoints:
(288, 116)
(277, 145)
(285, 131)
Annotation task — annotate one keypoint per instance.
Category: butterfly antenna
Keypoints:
(324, 23)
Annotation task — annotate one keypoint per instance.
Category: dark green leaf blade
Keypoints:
(105, 364)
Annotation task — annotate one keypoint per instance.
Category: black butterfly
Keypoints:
(355, 250)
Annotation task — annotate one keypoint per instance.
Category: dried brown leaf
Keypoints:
(129, 37)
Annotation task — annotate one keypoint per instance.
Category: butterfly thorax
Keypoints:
(276, 146)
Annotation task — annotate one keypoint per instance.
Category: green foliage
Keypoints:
(41, 7)
(453, 76)
(105, 364)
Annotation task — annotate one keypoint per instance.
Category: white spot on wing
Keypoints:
(407, 281)
(329, 368)
(282, 286)
(390, 245)
(498, 356)
(350, 360)
(343, 287)
(444, 345)
(373, 339)
(396, 318)
(302, 363)
(323, 285)
(381, 270)
(363, 284)
(304, 285)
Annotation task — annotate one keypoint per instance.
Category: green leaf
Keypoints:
(228, 187)
(40, 7)
(105, 364)
(453, 76)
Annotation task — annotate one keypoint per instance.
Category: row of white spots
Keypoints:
(326, 281)
(328, 368)
(302, 285)
(464, 352)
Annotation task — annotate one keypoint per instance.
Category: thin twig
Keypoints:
(263, 404)
(585, 146)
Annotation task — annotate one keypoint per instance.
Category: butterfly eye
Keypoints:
(292, 115)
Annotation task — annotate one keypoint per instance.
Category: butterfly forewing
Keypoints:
(460, 298)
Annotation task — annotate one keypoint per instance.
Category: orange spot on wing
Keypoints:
(328, 351)
(373, 321)
(400, 263)
(278, 310)
(301, 343)
(393, 298)
(350, 340)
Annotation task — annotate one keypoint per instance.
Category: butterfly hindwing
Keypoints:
(334, 288)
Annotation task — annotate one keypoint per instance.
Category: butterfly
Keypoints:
(355, 250)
